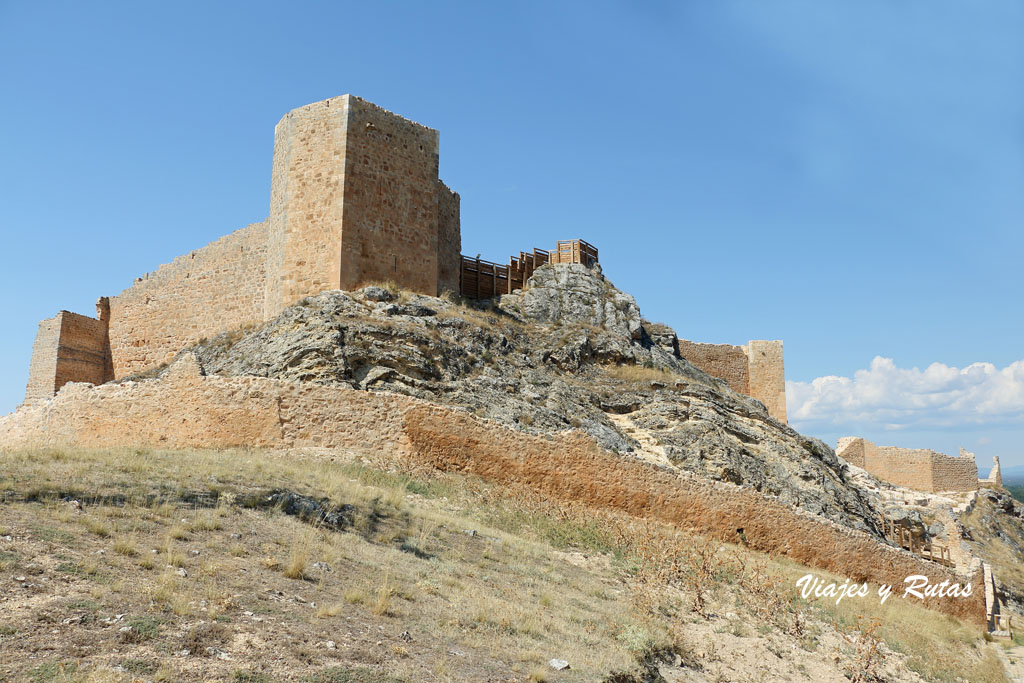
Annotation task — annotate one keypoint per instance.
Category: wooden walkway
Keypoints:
(908, 540)
(480, 279)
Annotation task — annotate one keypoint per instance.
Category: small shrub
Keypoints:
(199, 639)
(142, 629)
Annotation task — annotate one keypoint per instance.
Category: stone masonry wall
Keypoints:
(853, 449)
(185, 409)
(210, 290)
(910, 467)
(719, 360)
(950, 473)
(306, 201)
(767, 376)
(390, 223)
(920, 469)
(42, 369)
(68, 348)
(755, 369)
(449, 239)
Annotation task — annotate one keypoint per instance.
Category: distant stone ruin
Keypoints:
(916, 468)
(355, 199)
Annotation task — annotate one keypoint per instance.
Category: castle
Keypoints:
(355, 198)
(917, 468)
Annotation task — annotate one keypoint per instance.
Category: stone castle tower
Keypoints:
(355, 198)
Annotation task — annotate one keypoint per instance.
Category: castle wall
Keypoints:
(68, 348)
(390, 218)
(767, 376)
(42, 369)
(210, 290)
(950, 473)
(910, 467)
(185, 409)
(919, 469)
(756, 369)
(853, 449)
(449, 239)
(306, 201)
(719, 360)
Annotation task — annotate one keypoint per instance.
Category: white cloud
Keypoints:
(888, 397)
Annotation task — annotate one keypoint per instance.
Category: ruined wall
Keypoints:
(767, 376)
(185, 409)
(719, 360)
(853, 449)
(42, 369)
(449, 239)
(995, 475)
(68, 348)
(756, 369)
(915, 468)
(954, 474)
(216, 288)
(910, 467)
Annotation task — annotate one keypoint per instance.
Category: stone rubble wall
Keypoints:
(68, 348)
(389, 228)
(184, 409)
(914, 468)
(767, 375)
(756, 369)
(306, 202)
(207, 291)
(449, 239)
(719, 360)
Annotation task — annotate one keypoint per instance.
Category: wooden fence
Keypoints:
(480, 279)
(906, 539)
(574, 251)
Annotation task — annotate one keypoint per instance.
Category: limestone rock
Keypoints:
(569, 352)
(573, 293)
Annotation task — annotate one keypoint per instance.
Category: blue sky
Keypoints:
(847, 177)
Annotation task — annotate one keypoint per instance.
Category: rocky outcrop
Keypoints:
(568, 351)
(572, 292)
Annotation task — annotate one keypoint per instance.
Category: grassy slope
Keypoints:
(406, 593)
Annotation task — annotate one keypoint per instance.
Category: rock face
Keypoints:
(576, 293)
(568, 351)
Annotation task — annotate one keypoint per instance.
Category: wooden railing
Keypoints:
(574, 251)
(480, 279)
(908, 540)
(1000, 625)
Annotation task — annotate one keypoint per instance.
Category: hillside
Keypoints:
(460, 490)
(569, 352)
(256, 566)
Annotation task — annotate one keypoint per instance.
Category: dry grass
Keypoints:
(507, 595)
